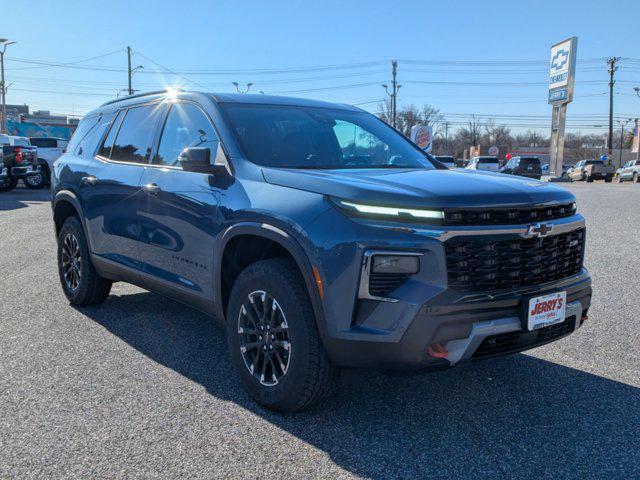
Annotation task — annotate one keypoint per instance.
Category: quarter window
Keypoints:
(135, 136)
(186, 126)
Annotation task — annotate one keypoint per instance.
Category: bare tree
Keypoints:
(409, 115)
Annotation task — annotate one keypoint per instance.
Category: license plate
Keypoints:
(546, 310)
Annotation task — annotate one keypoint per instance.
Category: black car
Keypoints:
(523, 166)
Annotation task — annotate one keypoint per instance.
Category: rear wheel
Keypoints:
(636, 179)
(80, 282)
(589, 179)
(8, 184)
(273, 338)
(608, 179)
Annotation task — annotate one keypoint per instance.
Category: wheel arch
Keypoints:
(284, 241)
(65, 204)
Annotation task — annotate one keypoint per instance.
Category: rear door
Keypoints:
(112, 195)
(180, 216)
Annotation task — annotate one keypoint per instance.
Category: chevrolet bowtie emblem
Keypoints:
(539, 230)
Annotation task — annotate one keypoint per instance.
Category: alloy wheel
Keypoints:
(71, 261)
(264, 338)
(34, 180)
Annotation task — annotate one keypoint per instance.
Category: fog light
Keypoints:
(402, 264)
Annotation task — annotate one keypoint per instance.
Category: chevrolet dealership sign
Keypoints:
(562, 68)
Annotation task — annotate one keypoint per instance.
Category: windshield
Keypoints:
(310, 137)
(21, 142)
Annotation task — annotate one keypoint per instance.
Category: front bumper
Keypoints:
(21, 171)
(462, 327)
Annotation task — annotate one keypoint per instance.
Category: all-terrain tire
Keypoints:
(8, 184)
(88, 288)
(310, 377)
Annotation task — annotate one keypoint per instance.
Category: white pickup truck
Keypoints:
(49, 150)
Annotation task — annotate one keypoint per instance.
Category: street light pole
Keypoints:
(3, 89)
(622, 125)
(237, 85)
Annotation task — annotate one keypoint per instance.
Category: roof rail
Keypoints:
(137, 95)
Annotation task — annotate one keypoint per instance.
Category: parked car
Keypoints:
(590, 170)
(317, 234)
(629, 171)
(447, 160)
(546, 171)
(490, 164)
(49, 150)
(18, 160)
(524, 167)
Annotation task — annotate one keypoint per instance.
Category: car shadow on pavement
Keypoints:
(516, 417)
(21, 197)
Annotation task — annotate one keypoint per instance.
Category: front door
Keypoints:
(113, 197)
(180, 216)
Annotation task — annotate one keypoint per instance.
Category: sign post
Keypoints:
(562, 69)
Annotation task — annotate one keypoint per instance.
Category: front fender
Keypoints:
(279, 234)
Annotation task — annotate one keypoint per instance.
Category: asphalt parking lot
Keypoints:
(142, 386)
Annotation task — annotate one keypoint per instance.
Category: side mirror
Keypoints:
(198, 159)
(195, 159)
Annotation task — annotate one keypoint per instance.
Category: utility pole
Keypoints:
(129, 73)
(3, 88)
(611, 61)
(395, 86)
(446, 137)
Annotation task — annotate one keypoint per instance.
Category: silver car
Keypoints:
(629, 171)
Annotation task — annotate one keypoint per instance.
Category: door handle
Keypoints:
(151, 189)
(90, 180)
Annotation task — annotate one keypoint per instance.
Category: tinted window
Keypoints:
(88, 145)
(488, 160)
(529, 161)
(86, 124)
(186, 126)
(44, 142)
(135, 135)
(310, 137)
(105, 149)
(594, 162)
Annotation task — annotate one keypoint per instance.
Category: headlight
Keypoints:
(398, 212)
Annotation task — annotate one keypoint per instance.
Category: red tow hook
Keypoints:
(437, 350)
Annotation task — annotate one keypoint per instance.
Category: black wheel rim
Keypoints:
(264, 338)
(71, 261)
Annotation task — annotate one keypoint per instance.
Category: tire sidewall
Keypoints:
(295, 307)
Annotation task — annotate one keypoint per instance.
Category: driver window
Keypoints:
(186, 126)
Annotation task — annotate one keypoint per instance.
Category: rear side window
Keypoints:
(529, 161)
(89, 144)
(135, 136)
(44, 142)
(487, 160)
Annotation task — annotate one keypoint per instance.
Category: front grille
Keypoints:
(381, 284)
(506, 216)
(479, 265)
(512, 342)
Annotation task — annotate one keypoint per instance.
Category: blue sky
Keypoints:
(243, 37)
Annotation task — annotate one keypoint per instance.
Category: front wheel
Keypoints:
(619, 179)
(8, 184)
(636, 179)
(273, 338)
(80, 282)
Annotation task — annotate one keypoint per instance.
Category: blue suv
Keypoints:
(317, 234)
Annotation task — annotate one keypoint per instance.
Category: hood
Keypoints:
(422, 188)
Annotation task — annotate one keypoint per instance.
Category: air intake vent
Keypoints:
(382, 284)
